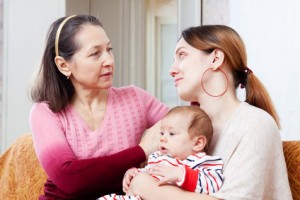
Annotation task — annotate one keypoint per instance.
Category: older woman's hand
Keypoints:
(150, 139)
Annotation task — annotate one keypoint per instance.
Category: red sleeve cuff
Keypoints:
(190, 179)
(139, 150)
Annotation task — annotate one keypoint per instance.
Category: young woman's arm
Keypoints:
(147, 188)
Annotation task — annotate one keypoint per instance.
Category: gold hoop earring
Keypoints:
(214, 95)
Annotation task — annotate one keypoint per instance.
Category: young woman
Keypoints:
(210, 63)
(86, 132)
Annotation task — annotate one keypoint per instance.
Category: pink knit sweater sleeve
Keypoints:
(155, 110)
(76, 178)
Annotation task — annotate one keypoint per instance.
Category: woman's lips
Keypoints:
(176, 81)
(106, 74)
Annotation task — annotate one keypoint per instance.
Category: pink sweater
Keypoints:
(85, 164)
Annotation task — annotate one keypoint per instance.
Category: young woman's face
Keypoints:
(92, 66)
(187, 69)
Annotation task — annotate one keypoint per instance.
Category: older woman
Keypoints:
(86, 132)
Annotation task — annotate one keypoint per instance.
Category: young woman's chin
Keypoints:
(184, 95)
(188, 96)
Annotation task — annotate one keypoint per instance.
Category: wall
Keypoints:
(270, 30)
(1, 65)
(25, 25)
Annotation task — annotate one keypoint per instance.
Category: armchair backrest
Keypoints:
(291, 151)
(22, 177)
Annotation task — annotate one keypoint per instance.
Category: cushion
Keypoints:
(21, 176)
(291, 151)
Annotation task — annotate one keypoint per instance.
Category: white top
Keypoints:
(254, 164)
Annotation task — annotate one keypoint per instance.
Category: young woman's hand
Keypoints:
(150, 139)
(132, 172)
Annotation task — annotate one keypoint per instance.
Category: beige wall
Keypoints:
(25, 24)
(1, 65)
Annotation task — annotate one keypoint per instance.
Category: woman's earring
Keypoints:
(68, 77)
(205, 90)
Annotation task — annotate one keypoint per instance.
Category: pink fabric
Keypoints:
(66, 147)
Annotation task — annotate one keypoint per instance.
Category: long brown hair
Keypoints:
(52, 86)
(210, 37)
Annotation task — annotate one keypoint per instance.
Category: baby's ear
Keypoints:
(200, 143)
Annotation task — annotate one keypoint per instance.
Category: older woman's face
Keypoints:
(92, 66)
(187, 69)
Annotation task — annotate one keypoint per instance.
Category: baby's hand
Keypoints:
(129, 175)
(168, 174)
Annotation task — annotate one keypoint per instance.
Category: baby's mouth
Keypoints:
(163, 149)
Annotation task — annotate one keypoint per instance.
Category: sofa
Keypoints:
(22, 177)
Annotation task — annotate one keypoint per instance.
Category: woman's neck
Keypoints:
(91, 107)
(90, 99)
(220, 109)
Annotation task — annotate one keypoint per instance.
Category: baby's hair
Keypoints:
(200, 123)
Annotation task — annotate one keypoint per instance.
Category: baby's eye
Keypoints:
(172, 134)
(161, 133)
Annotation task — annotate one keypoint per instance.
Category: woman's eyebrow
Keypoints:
(178, 49)
(99, 46)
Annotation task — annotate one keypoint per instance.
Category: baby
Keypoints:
(181, 160)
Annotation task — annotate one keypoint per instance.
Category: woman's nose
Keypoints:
(109, 59)
(173, 70)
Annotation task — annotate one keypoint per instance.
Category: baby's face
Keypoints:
(175, 140)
